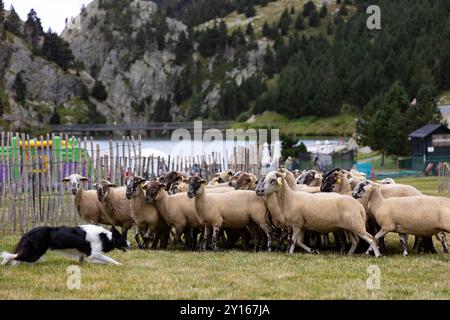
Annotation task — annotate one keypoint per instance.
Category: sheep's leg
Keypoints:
(443, 239)
(177, 237)
(136, 237)
(371, 240)
(404, 243)
(339, 239)
(205, 238)
(428, 245)
(354, 239)
(267, 230)
(290, 235)
(215, 236)
(293, 241)
(417, 243)
(302, 245)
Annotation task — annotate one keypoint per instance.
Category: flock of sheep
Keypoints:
(275, 212)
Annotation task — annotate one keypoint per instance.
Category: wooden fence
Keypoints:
(31, 171)
(443, 170)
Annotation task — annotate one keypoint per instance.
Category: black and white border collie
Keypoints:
(88, 241)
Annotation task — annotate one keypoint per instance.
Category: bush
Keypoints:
(99, 91)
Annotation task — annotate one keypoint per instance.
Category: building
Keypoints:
(430, 144)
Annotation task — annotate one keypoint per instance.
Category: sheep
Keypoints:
(88, 207)
(246, 181)
(311, 178)
(177, 210)
(289, 176)
(387, 181)
(322, 212)
(234, 178)
(417, 215)
(171, 178)
(115, 204)
(222, 177)
(235, 209)
(146, 217)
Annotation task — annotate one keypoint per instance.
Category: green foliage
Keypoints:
(249, 30)
(57, 50)
(13, 23)
(99, 91)
(314, 19)
(20, 88)
(388, 119)
(284, 22)
(323, 11)
(33, 29)
(308, 7)
(299, 23)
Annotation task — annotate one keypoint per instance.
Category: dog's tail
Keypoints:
(7, 257)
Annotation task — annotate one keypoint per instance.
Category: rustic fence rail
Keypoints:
(32, 169)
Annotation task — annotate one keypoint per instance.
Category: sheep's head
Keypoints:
(178, 187)
(387, 181)
(331, 181)
(363, 188)
(170, 178)
(270, 184)
(234, 179)
(224, 176)
(75, 181)
(310, 178)
(132, 184)
(297, 173)
(153, 191)
(245, 182)
(102, 188)
(196, 186)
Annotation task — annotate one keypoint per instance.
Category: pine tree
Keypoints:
(343, 11)
(308, 8)
(266, 30)
(269, 63)
(2, 13)
(314, 19)
(323, 11)
(20, 88)
(57, 50)
(250, 10)
(33, 29)
(13, 23)
(299, 23)
(284, 22)
(292, 10)
(330, 28)
(99, 91)
(249, 30)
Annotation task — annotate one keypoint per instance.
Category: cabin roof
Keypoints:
(426, 130)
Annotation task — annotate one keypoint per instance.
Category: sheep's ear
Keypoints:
(162, 185)
(140, 179)
(230, 173)
(203, 181)
(66, 179)
(84, 179)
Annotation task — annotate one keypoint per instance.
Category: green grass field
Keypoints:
(176, 274)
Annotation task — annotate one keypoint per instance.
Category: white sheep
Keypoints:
(146, 217)
(321, 212)
(423, 216)
(117, 207)
(88, 207)
(237, 209)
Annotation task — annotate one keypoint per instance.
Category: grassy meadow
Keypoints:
(176, 274)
